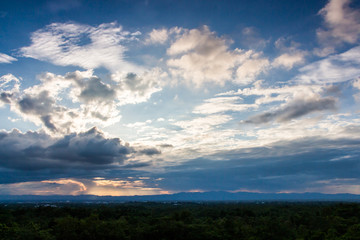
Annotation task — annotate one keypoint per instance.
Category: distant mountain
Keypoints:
(185, 196)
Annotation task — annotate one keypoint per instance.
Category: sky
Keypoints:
(158, 97)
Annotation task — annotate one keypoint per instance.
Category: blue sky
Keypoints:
(156, 97)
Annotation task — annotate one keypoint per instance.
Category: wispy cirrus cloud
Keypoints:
(80, 45)
(4, 58)
(336, 68)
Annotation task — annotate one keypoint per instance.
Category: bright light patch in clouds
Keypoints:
(111, 104)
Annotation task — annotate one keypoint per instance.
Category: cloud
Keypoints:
(203, 123)
(294, 109)
(90, 88)
(356, 85)
(336, 68)
(46, 187)
(288, 60)
(342, 24)
(85, 46)
(7, 80)
(291, 54)
(296, 166)
(223, 104)
(157, 36)
(136, 88)
(250, 69)
(93, 100)
(123, 187)
(6, 58)
(34, 151)
(199, 56)
(251, 38)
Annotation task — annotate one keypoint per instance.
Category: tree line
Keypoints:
(161, 221)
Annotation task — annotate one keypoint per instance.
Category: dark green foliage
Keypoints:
(190, 221)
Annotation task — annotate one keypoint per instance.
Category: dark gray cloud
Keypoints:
(295, 109)
(6, 97)
(48, 123)
(95, 90)
(150, 151)
(34, 151)
(295, 166)
(40, 104)
(92, 89)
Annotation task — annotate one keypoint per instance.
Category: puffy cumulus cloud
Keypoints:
(336, 68)
(290, 56)
(294, 109)
(157, 36)
(93, 100)
(91, 90)
(40, 104)
(9, 85)
(46, 187)
(85, 150)
(85, 46)
(136, 88)
(289, 60)
(251, 68)
(199, 56)
(6, 58)
(342, 25)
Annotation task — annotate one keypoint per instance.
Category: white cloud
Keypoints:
(199, 56)
(356, 84)
(9, 86)
(157, 36)
(291, 54)
(336, 68)
(93, 101)
(223, 104)
(288, 60)
(6, 58)
(250, 69)
(203, 124)
(5, 81)
(342, 25)
(85, 46)
(136, 88)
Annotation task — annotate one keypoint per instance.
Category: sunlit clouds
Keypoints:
(115, 105)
